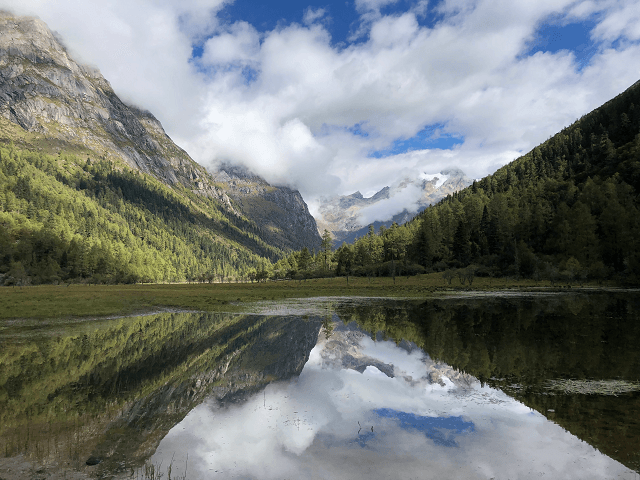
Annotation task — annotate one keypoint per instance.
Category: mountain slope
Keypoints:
(567, 210)
(280, 213)
(73, 146)
(59, 103)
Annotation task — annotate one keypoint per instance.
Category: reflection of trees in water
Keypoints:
(327, 326)
(113, 391)
(72, 387)
(519, 344)
(531, 338)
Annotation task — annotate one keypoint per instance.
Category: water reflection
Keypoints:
(376, 409)
(95, 398)
(474, 387)
(529, 345)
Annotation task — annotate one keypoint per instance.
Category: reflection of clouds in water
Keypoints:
(320, 426)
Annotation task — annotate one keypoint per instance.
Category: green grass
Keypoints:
(50, 301)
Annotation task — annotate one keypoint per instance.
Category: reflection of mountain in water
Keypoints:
(363, 407)
(111, 393)
(520, 343)
(343, 350)
(111, 390)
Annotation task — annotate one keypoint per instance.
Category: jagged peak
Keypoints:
(229, 171)
(383, 193)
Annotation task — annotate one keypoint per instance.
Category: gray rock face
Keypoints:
(278, 211)
(342, 215)
(57, 102)
(45, 92)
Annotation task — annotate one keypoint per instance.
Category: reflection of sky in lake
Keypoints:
(334, 422)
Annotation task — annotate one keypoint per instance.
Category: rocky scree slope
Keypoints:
(51, 103)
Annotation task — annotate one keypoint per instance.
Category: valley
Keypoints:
(180, 314)
(92, 190)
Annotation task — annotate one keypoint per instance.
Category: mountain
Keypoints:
(569, 210)
(55, 104)
(280, 212)
(343, 216)
(72, 146)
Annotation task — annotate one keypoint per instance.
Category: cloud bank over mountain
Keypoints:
(301, 107)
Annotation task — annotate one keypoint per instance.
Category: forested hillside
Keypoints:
(140, 209)
(569, 209)
(65, 218)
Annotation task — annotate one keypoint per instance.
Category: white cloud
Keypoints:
(620, 19)
(615, 18)
(288, 119)
(369, 5)
(405, 198)
(312, 15)
(239, 44)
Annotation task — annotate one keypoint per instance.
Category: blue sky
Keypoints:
(337, 96)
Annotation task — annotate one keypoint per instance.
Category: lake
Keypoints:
(486, 385)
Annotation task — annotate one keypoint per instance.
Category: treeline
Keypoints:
(567, 210)
(65, 219)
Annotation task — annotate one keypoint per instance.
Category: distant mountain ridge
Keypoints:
(342, 215)
(567, 211)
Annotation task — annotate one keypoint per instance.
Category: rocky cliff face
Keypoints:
(53, 98)
(342, 215)
(278, 211)
(51, 103)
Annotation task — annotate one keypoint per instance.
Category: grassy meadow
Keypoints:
(51, 301)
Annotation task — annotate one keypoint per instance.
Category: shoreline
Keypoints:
(103, 302)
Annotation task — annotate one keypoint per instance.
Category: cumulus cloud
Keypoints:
(406, 198)
(312, 15)
(286, 102)
(237, 44)
(617, 18)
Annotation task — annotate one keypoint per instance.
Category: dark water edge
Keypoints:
(107, 392)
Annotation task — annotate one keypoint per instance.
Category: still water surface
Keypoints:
(507, 386)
